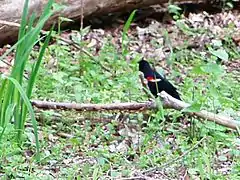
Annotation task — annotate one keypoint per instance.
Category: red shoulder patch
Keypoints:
(150, 78)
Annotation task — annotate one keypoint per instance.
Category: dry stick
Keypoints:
(81, 25)
(9, 23)
(173, 103)
(170, 102)
(94, 107)
(175, 159)
(167, 100)
(133, 178)
(64, 135)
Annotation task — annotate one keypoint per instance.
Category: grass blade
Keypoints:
(125, 29)
(30, 109)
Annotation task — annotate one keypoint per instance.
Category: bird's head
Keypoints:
(145, 68)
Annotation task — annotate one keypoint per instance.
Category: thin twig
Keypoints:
(133, 178)
(64, 135)
(9, 23)
(81, 25)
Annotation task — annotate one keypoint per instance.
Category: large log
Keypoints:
(10, 10)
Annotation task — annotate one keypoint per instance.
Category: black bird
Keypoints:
(154, 79)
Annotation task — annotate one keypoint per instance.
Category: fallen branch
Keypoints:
(172, 103)
(168, 103)
(95, 107)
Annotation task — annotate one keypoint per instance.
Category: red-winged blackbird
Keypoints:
(154, 79)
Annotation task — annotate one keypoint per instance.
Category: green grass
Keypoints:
(69, 75)
(15, 101)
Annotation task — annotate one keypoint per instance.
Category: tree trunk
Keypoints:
(10, 11)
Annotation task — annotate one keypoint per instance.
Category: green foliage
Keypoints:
(220, 53)
(14, 100)
(175, 10)
(61, 20)
(125, 30)
(109, 78)
(162, 136)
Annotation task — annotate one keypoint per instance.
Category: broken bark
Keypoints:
(11, 10)
(167, 100)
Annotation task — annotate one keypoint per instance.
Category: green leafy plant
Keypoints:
(125, 29)
(161, 137)
(220, 53)
(15, 101)
(60, 21)
(175, 10)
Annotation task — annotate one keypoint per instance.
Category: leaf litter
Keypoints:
(154, 41)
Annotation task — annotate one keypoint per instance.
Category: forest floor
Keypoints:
(199, 54)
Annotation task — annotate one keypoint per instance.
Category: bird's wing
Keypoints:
(158, 76)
